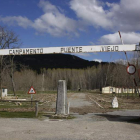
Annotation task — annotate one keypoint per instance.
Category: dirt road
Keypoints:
(82, 103)
(117, 125)
(78, 100)
(84, 128)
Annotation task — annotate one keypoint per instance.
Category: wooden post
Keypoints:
(68, 108)
(36, 109)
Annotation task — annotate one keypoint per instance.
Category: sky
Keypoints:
(54, 23)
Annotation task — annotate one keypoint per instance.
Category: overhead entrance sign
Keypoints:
(31, 90)
(70, 49)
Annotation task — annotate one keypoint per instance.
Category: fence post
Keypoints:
(36, 109)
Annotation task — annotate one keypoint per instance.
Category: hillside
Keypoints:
(36, 62)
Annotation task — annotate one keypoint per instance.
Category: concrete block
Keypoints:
(61, 103)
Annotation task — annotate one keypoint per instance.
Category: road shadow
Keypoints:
(119, 118)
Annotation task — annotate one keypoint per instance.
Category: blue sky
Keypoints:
(50, 23)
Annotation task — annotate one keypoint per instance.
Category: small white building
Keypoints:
(4, 92)
(129, 90)
(111, 89)
(108, 89)
(118, 90)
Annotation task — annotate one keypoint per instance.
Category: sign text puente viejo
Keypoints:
(70, 49)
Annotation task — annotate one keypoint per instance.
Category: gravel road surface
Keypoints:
(117, 125)
(84, 128)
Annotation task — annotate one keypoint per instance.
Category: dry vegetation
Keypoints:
(85, 79)
(46, 101)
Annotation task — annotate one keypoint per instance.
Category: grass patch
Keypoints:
(13, 105)
(6, 114)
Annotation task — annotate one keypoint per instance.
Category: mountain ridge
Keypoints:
(37, 62)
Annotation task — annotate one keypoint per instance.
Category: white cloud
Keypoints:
(122, 16)
(91, 12)
(52, 21)
(19, 20)
(97, 60)
(128, 38)
(125, 15)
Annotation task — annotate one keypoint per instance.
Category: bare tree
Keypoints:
(8, 39)
(43, 70)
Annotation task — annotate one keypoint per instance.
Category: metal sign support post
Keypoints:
(31, 99)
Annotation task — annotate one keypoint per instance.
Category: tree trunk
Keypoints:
(1, 59)
(12, 76)
(43, 81)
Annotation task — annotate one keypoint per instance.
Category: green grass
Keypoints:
(13, 105)
(6, 114)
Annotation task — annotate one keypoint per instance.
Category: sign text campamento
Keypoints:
(26, 51)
